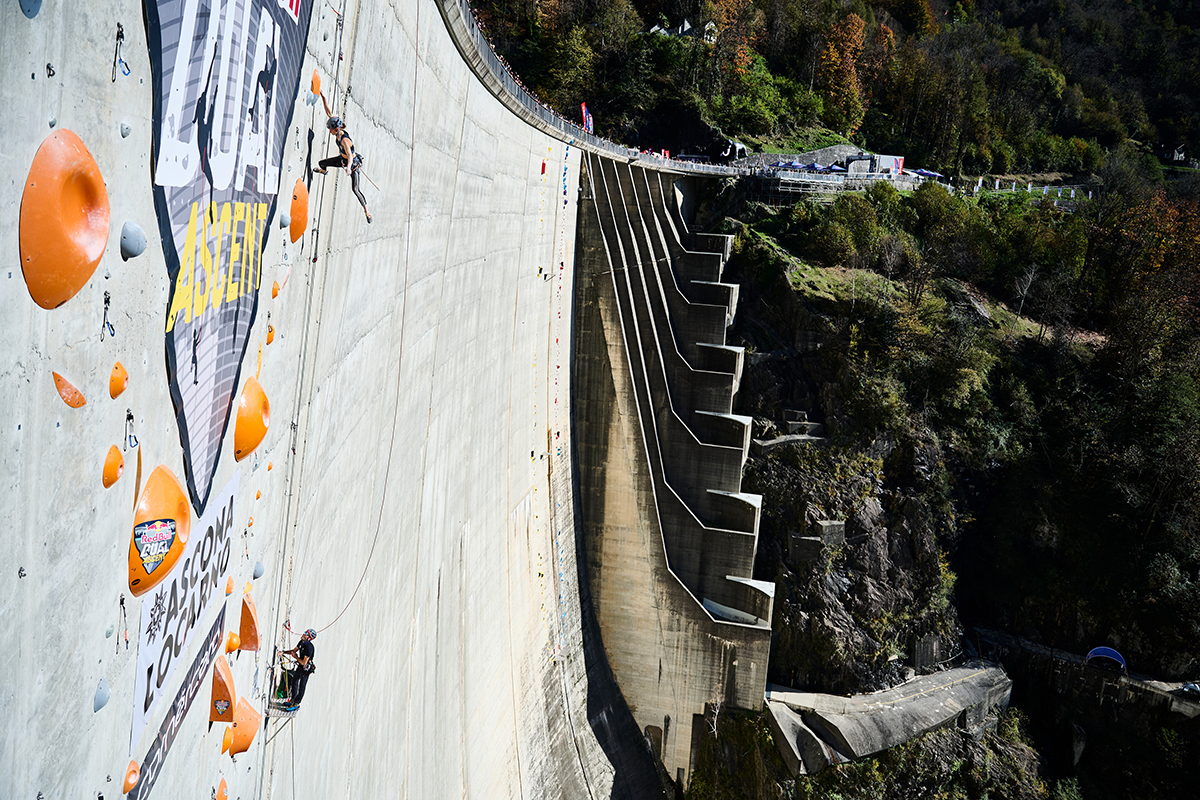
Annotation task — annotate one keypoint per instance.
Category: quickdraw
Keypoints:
(118, 58)
(107, 327)
(130, 439)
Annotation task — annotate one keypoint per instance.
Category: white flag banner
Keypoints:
(178, 605)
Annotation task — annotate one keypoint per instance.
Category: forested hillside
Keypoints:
(995, 86)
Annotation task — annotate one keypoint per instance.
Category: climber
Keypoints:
(297, 676)
(346, 156)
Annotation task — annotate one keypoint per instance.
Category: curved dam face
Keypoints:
(411, 498)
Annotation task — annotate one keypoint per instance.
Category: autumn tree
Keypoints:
(838, 75)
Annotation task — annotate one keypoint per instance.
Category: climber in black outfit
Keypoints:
(298, 676)
(346, 156)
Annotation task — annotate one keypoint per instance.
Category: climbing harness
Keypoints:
(130, 439)
(107, 326)
(118, 58)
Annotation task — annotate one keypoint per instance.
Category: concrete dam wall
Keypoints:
(295, 418)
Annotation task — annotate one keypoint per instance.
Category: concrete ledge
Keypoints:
(760, 447)
(864, 725)
(802, 750)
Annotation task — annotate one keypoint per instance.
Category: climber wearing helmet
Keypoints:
(346, 156)
(298, 675)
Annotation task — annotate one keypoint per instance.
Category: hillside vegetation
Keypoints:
(993, 86)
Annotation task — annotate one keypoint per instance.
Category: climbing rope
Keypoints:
(399, 371)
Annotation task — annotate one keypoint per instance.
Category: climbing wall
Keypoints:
(361, 428)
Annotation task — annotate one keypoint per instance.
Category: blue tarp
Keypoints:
(1106, 652)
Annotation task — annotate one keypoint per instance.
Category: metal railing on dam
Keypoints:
(495, 74)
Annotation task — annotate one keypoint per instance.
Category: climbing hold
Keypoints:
(248, 627)
(114, 465)
(223, 695)
(229, 586)
(250, 523)
(259, 569)
(53, 121)
(258, 494)
(67, 391)
(102, 695)
(133, 241)
(131, 777)
(64, 220)
(249, 587)
(299, 210)
(232, 641)
(253, 419)
(227, 739)
(109, 632)
(30, 8)
(118, 380)
(125, 130)
(162, 523)
(222, 791)
(269, 465)
(270, 333)
(284, 221)
(324, 38)
(316, 83)
(245, 724)
(275, 290)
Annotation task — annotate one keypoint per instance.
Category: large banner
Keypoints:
(225, 74)
(172, 611)
(192, 685)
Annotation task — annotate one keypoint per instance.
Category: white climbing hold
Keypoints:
(259, 569)
(108, 633)
(53, 121)
(125, 130)
(326, 39)
(133, 241)
(285, 221)
(102, 695)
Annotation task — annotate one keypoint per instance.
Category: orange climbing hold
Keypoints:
(250, 522)
(132, 774)
(248, 629)
(118, 380)
(64, 220)
(229, 586)
(275, 290)
(299, 210)
(227, 739)
(245, 724)
(222, 791)
(232, 641)
(67, 391)
(270, 333)
(253, 419)
(162, 523)
(258, 494)
(269, 465)
(223, 695)
(316, 83)
(114, 465)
